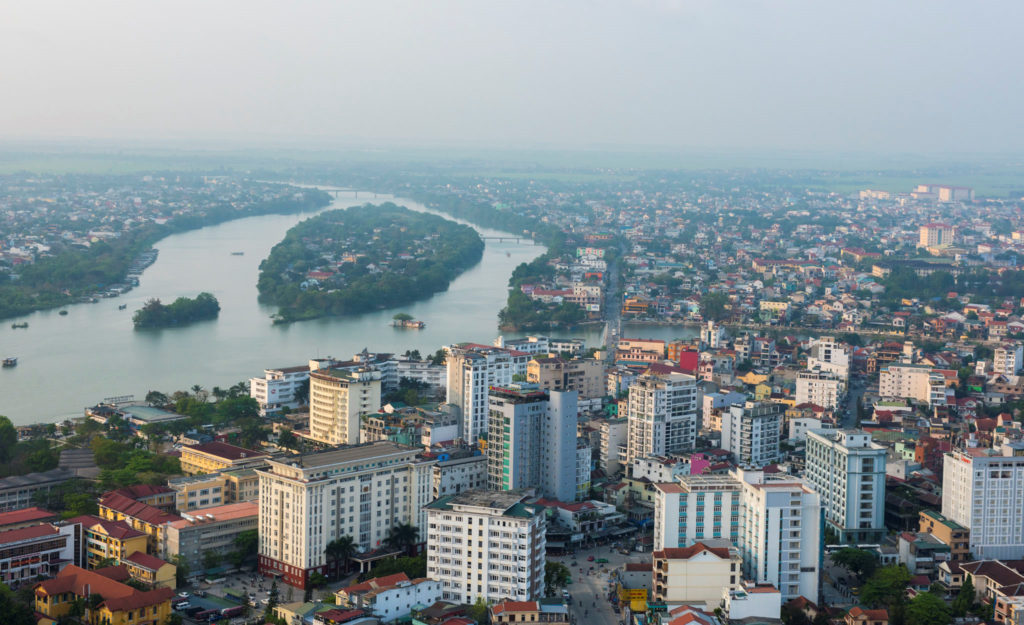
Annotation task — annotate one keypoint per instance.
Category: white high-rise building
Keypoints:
(309, 500)
(531, 441)
(712, 335)
(983, 490)
(696, 508)
(918, 382)
(751, 432)
(662, 414)
(847, 470)
(472, 369)
(829, 355)
(276, 389)
(613, 440)
(486, 544)
(780, 536)
(1008, 358)
(337, 400)
(819, 387)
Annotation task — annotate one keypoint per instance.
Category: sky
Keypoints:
(913, 76)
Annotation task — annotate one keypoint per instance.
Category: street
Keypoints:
(589, 590)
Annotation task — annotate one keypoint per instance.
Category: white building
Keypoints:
(362, 491)
(657, 469)
(780, 537)
(532, 345)
(847, 470)
(532, 441)
(389, 598)
(471, 370)
(829, 355)
(662, 414)
(276, 389)
(752, 601)
(751, 432)
(485, 544)
(695, 574)
(1008, 358)
(696, 508)
(983, 490)
(918, 382)
(719, 401)
(454, 475)
(819, 387)
(799, 426)
(422, 371)
(614, 434)
(712, 335)
(337, 400)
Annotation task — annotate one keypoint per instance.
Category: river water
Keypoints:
(68, 362)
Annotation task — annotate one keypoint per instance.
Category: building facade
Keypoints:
(819, 387)
(695, 574)
(662, 414)
(751, 432)
(276, 389)
(217, 456)
(847, 470)
(472, 369)
(209, 530)
(696, 508)
(454, 475)
(917, 382)
(28, 553)
(337, 399)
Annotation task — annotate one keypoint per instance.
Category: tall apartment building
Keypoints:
(712, 335)
(472, 370)
(531, 441)
(780, 537)
(1008, 358)
(696, 508)
(935, 234)
(751, 432)
(847, 470)
(662, 414)
(918, 382)
(451, 476)
(714, 404)
(276, 389)
(613, 444)
(583, 375)
(820, 387)
(829, 355)
(360, 491)
(486, 544)
(983, 490)
(337, 399)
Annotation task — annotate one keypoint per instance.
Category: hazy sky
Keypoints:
(928, 76)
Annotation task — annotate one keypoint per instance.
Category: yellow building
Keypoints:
(337, 400)
(151, 570)
(216, 456)
(143, 517)
(108, 540)
(752, 378)
(120, 604)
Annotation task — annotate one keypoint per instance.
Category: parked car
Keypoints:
(590, 558)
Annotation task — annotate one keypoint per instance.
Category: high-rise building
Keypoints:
(1008, 358)
(337, 398)
(613, 444)
(472, 370)
(583, 375)
(935, 234)
(751, 432)
(359, 491)
(276, 389)
(829, 355)
(819, 387)
(712, 335)
(847, 470)
(486, 544)
(531, 441)
(918, 382)
(662, 414)
(983, 490)
(696, 508)
(780, 537)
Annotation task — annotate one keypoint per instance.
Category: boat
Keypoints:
(10, 362)
(238, 253)
(122, 306)
(63, 312)
(408, 323)
(23, 324)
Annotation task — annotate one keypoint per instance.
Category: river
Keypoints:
(68, 362)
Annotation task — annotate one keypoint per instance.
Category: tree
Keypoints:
(403, 317)
(8, 439)
(478, 611)
(858, 561)
(316, 579)
(211, 559)
(412, 566)
(340, 550)
(712, 306)
(174, 619)
(301, 392)
(288, 439)
(156, 398)
(12, 611)
(886, 587)
(181, 570)
(928, 609)
(403, 536)
(792, 615)
(965, 598)
(556, 577)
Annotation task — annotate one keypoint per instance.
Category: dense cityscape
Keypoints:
(834, 436)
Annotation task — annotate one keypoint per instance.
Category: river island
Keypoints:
(181, 311)
(364, 258)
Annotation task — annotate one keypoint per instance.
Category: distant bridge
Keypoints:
(523, 240)
(346, 192)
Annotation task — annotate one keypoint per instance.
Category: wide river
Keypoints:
(68, 362)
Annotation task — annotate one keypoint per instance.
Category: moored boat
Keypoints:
(10, 362)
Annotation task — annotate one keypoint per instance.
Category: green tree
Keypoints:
(301, 392)
(928, 609)
(156, 398)
(713, 306)
(340, 549)
(478, 611)
(272, 599)
(556, 577)
(886, 587)
(181, 570)
(412, 566)
(403, 536)
(316, 579)
(211, 559)
(288, 440)
(13, 611)
(964, 599)
(858, 561)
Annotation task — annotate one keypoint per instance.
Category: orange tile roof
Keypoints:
(376, 582)
(515, 606)
(137, 509)
(685, 553)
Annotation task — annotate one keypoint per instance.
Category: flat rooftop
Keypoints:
(504, 500)
(352, 453)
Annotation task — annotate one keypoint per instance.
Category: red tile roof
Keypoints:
(115, 529)
(138, 491)
(226, 451)
(685, 553)
(25, 515)
(26, 533)
(515, 606)
(137, 509)
(146, 561)
(375, 583)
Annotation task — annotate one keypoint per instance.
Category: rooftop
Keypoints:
(226, 451)
(508, 501)
(36, 479)
(352, 453)
(218, 514)
(25, 515)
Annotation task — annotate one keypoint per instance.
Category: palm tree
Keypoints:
(340, 549)
(200, 393)
(403, 536)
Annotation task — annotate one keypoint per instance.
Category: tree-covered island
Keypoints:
(182, 311)
(364, 258)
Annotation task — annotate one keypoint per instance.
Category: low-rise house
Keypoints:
(551, 611)
(695, 574)
(151, 570)
(860, 616)
(390, 597)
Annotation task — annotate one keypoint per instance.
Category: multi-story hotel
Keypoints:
(337, 399)
(983, 490)
(276, 389)
(750, 432)
(935, 234)
(472, 370)
(819, 387)
(662, 414)
(918, 382)
(847, 470)
(359, 491)
(696, 508)
(486, 544)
